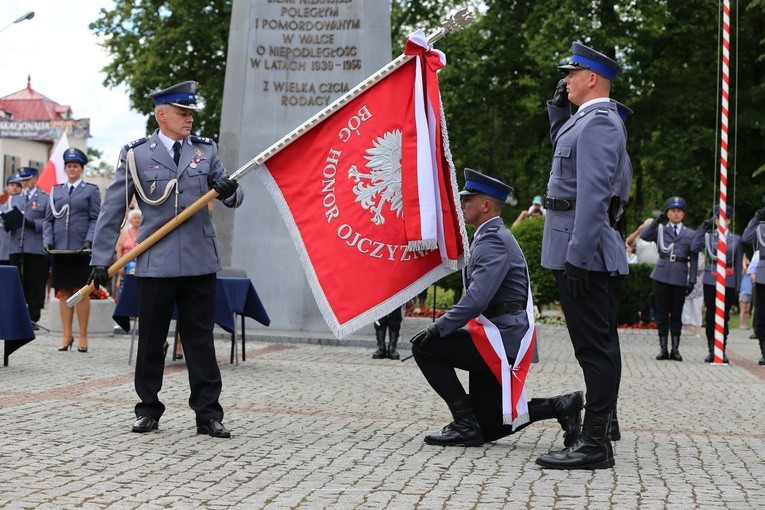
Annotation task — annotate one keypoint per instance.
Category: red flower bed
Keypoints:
(638, 325)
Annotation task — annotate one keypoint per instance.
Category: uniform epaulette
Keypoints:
(136, 143)
(492, 229)
(602, 111)
(201, 139)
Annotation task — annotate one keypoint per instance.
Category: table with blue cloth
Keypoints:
(233, 296)
(15, 324)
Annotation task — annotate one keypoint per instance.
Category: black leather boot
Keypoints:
(711, 355)
(593, 450)
(380, 353)
(463, 431)
(392, 352)
(664, 354)
(615, 434)
(567, 409)
(675, 354)
(762, 350)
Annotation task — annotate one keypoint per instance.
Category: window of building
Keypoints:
(11, 164)
(37, 164)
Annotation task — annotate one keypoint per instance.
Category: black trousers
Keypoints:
(731, 296)
(591, 322)
(195, 300)
(33, 270)
(669, 300)
(391, 322)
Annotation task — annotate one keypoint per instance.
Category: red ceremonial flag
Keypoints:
(369, 196)
(54, 173)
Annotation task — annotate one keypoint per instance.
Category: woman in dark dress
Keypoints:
(68, 236)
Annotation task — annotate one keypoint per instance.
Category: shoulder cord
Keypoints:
(760, 241)
(663, 247)
(708, 237)
(173, 183)
(57, 213)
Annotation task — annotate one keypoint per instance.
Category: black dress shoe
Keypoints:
(214, 428)
(145, 424)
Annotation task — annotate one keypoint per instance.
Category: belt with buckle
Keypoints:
(498, 309)
(673, 258)
(560, 204)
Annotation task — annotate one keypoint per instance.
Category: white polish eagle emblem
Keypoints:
(383, 182)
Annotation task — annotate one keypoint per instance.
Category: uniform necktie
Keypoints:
(176, 152)
(71, 188)
(676, 229)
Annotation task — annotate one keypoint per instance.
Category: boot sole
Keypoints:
(476, 442)
(605, 464)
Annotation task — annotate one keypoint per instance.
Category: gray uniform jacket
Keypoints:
(496, 273)
(5, 236)
(191, 248)
(590, 165)
(678, 263)
(754, 231)
(34, 207)
(78, 224)
(734, 256)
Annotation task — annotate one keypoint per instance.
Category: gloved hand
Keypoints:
(225, 187)
(560, 96)
(426, 335)
(689, 288)
(708, 225)
(87, 245)
(663, 218)
(7, 225)
(48, 248)
(759, 214)
(100, 276)
(30, 224)
(578, 280)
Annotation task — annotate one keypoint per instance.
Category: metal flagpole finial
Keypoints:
(458, 20)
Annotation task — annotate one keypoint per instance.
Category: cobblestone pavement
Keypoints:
(323, 426)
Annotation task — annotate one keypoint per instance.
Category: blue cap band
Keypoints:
(174, 98)
(485, 189)
(596, 66)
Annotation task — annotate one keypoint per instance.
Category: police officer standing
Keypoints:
(755, 233)
(167, 172)
(589, 182)
(12, 188)
(26, 251)
(497, 294)
(675, 273)
(69, 226)
(706, 239)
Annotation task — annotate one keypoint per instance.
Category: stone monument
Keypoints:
(287, 60)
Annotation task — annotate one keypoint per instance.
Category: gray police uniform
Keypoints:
(734, 257)
(496, 285)
(755, 233)
(26, 248)
(69, 223)
(179, 269)
(590, 167)
(675, 270)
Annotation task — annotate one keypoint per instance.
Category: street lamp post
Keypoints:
(29, 15)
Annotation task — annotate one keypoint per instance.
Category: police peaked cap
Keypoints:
(584, 57)
(27, 172)
(75, 155)
(477, 183)
(12, 179)
(182, 95)
(728, 211)
(675, 202)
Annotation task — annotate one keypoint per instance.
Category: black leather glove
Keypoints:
(100, 276)
(7, 225)
(48, 248)
(225, 187)
(578, 280)
(708, 225)
(30, 224)
(663, 218)
(560, 96)
(759, 214)
(689, 288)
(87, 245)
(426, 335)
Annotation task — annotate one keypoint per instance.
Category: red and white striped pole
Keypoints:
(722, 227)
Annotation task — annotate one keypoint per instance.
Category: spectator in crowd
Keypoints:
(745, 296)
(694, 303)
(675, 273)
(534, 210)
(70, 222)
(645, 253)
(706, 241)
(391, 324)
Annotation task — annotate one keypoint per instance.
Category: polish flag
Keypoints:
(53, 173)
(369, 196)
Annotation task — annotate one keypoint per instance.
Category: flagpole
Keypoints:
(454, 23)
